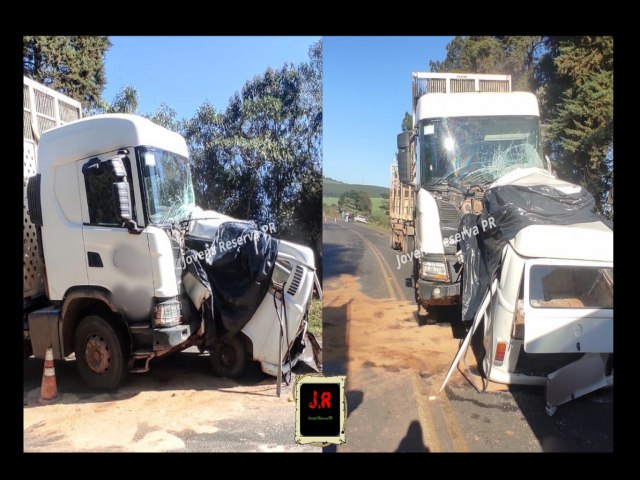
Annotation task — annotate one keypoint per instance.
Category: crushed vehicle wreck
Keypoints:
(538, 277)
(259, 289)
(522, 251)
(121, 267)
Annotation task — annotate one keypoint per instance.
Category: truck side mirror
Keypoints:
(121, 195)
(404, 166)
(116, 167)
(404, 139)
(122, 204)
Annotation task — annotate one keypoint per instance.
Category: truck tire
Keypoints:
(228, 358)
(100, 353)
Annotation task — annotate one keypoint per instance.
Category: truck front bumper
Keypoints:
(434, 293)
(165, 338)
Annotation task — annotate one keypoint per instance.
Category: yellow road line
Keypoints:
(389, 277)
(455, 432)
(381, 264)
(430, 435)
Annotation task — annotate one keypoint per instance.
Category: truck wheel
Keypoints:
(100, 353)
(229, 357)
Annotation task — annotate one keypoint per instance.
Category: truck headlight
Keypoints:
(168, 314)
(433, 271)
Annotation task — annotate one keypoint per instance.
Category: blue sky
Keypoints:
(183, 72)
(366, 90)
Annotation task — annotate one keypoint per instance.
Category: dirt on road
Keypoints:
(383, 332)
(178, 406)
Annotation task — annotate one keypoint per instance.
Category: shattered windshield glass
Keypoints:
(476, 150)
(167, 183)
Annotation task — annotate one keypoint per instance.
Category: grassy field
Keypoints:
(378, 219)
(315, 317)
(334, 188)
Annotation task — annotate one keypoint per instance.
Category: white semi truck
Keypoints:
(497, 231)
(121, 267)
(459, 120)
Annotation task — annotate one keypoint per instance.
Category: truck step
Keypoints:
(139, 326)
(139, 370)
(142, 359)
(142, 354)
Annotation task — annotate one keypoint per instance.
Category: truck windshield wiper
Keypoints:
(167, 215)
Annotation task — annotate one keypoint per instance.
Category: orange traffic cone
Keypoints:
(49, 388)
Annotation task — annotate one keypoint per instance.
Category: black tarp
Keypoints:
(512, 207)
(238, 264)
(194, 267)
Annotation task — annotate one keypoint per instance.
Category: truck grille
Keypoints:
(449, 214)
(449, 221)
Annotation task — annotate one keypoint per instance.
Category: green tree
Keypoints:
(73, 65)
(261, 157)
(217, 178)
(167, 117)
(354, 200)
(407, 122)
(384, 205)
(573, 79)
(125, 101)
(513, 55)
(307, 210)
(576, 77)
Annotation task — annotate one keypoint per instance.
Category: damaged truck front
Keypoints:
(132, 270)
(496, 230)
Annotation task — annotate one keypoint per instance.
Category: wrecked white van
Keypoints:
(541, 285)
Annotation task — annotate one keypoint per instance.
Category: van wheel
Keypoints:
(100, 353)
(228, 357)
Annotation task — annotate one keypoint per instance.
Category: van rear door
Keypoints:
(568, 306)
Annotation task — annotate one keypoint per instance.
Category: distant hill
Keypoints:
(335, 188)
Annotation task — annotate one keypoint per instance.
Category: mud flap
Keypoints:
(576, 379)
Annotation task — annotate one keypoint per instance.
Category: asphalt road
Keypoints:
(178, 406)
(395, 365)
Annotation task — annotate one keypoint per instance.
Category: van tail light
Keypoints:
(501, 349)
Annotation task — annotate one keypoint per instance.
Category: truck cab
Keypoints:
(114, 206)
(468, 131)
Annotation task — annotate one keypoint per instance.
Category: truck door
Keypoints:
(568, 307)
(116, 259)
